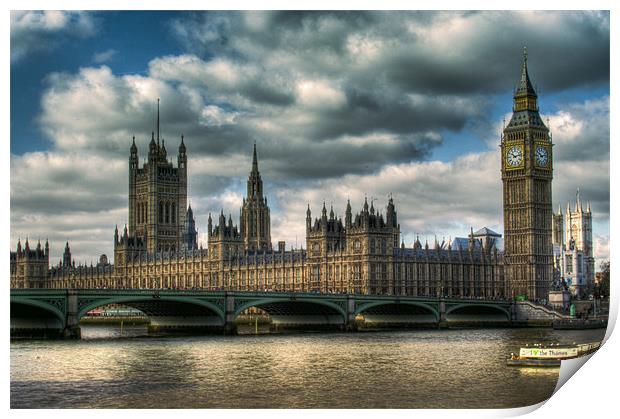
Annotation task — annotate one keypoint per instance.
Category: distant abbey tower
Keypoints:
(572, 247)
(527, 171)
(158, 196)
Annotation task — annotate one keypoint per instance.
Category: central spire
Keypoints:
(254, 161)
(255, 220)
(255, 183)
(157, 122)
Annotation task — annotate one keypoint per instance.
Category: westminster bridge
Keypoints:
(57, 312)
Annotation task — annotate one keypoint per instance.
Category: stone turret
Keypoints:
(158, 195)
(190, 233)
(225, 240)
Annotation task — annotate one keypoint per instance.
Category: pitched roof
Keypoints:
(484, 231)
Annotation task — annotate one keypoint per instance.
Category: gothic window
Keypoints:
(161, 212)
(372, 246)
(384, 247)
(173, 215)
(316, 248)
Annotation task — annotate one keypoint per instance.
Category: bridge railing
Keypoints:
(201, 292)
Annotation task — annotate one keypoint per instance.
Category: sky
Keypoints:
(341, 105)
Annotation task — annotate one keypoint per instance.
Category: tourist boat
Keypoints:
(549, 356)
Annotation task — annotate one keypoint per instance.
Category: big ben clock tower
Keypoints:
(527, 171)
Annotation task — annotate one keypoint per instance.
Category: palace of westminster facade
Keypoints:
(361, 254)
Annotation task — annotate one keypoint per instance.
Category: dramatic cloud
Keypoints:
(68, 196)
(96, 111)
(104, 56)
(581, 131)
(340, 105)
(430, 197)
(477, 48)
(36, 31)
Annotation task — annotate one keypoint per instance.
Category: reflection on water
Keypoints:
(389, 369)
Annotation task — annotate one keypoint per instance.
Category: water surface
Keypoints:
(462, 368)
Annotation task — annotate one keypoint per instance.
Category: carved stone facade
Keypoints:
(158, 196)
(255, 217)
(527, 171)
(30, 267)
(360, 255)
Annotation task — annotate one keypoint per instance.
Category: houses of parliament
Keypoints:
(362, 253)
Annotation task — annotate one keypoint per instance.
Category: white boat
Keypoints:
(549, 356)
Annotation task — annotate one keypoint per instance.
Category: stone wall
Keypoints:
(525, 311)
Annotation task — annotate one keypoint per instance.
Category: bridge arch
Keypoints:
(46, 307)
(413, 304)
(298, 310)
(482, 309)
(140, 302)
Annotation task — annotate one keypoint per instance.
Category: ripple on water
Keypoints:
(396, 369)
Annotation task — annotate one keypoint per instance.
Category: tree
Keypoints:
(603, 283)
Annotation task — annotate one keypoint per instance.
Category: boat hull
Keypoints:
(546, 363)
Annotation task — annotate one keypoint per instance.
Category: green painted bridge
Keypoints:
(57, 312)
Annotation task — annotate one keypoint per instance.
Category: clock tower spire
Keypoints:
(527, 172)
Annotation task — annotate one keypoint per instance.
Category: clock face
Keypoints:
(541, 156)
(514, 156)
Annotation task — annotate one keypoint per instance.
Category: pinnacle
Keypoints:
(254, 160)
(525, 84)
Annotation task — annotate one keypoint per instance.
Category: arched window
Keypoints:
(173, 215)
(167, 213)
(161, 212)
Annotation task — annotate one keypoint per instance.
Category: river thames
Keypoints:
(457, 368)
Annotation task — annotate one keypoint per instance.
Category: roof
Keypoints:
(484, 231)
